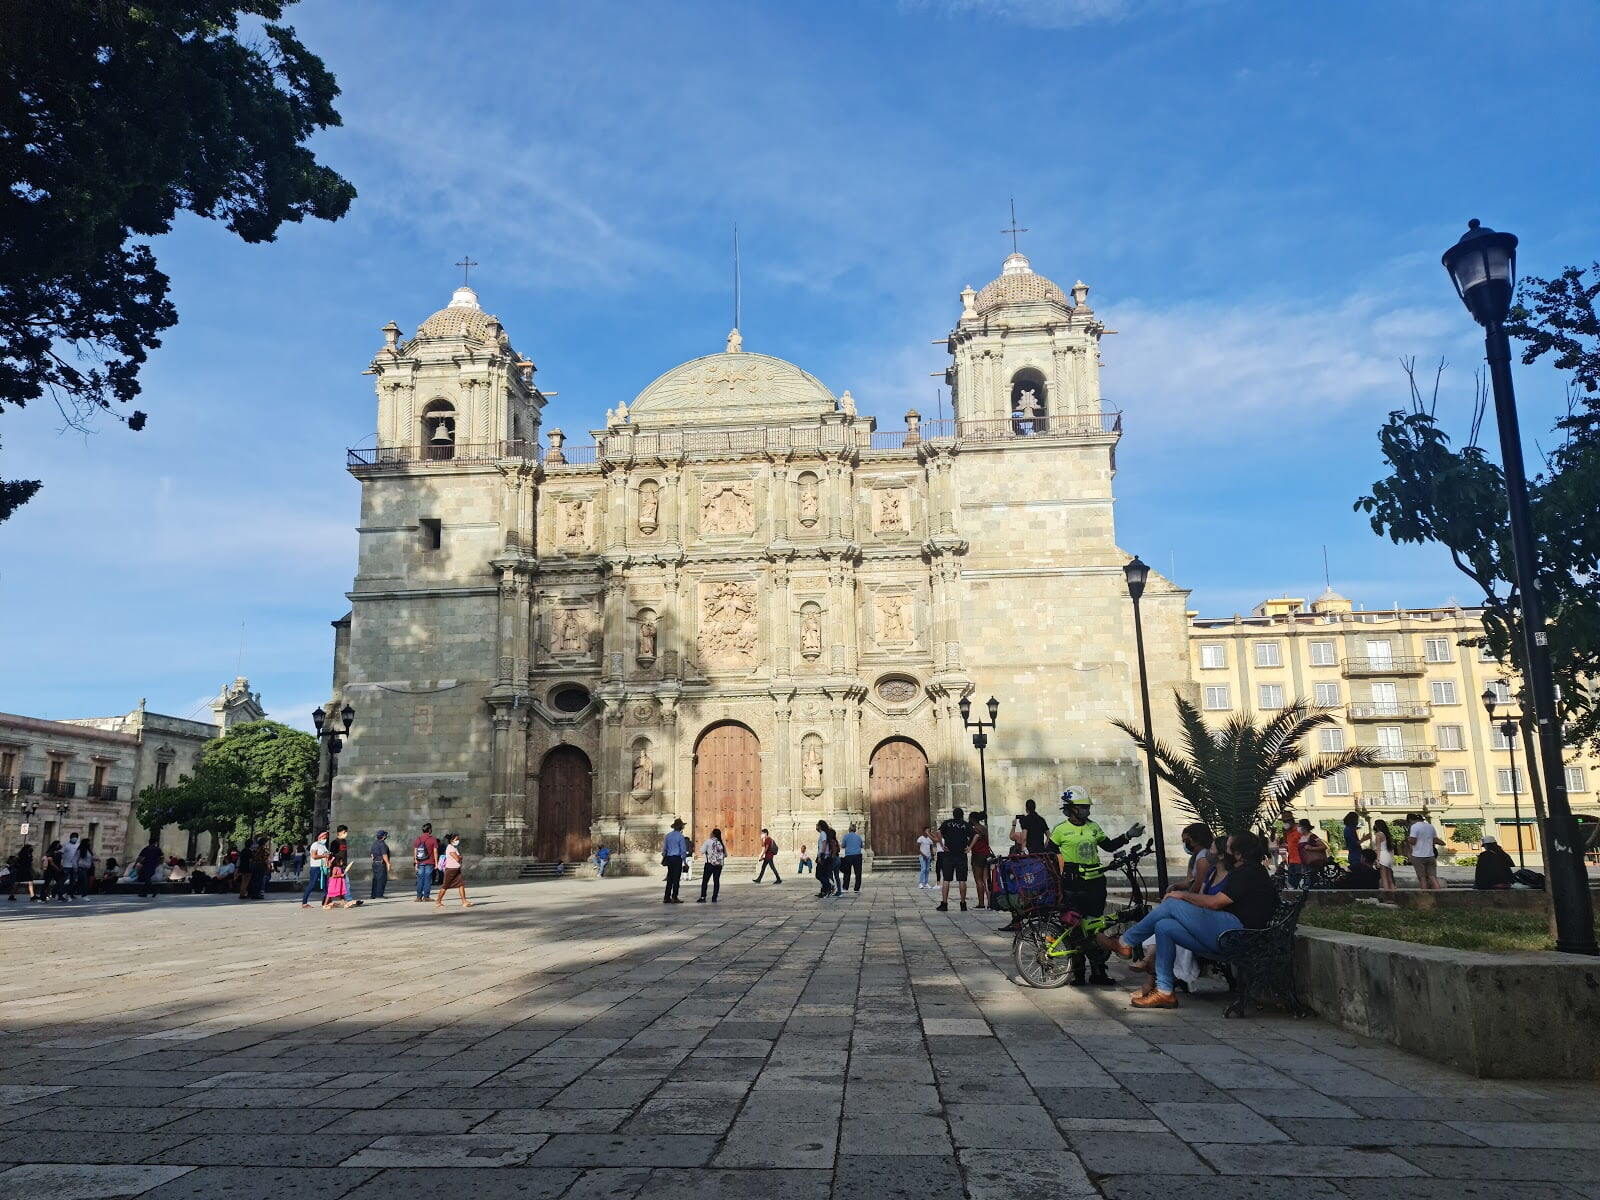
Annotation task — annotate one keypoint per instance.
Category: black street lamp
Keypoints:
(1137, 573)
(980, 739)
(1508, 730)
(329, 733)
(1483, 267)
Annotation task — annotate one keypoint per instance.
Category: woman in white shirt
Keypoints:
(924, 858)
(713, 853)
(453, 878)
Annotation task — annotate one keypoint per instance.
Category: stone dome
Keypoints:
(461, 318)
(735, 387)
(1018, 284)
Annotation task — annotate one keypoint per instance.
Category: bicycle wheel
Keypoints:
(1036, 967)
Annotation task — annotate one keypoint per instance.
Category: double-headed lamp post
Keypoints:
(329, 733)
(1483, 267)
(1137, 573)
(1508, 730)
(980, 739)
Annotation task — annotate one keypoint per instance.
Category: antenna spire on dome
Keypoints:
(1015, 229)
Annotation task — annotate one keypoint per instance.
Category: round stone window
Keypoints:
(570, 699)
(897, 689)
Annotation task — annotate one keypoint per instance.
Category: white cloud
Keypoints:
(1043, 14)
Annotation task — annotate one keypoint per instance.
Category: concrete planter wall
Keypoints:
(1502, 1015)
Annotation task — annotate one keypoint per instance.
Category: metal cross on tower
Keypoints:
(466, 264)
(1015, 228)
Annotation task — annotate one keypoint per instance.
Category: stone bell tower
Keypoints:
(1021, 353)
(456, 389)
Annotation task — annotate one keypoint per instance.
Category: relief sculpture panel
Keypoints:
(728, 626)
(894, 619)
(727, 507)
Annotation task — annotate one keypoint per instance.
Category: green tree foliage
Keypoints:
(279, 768)
(115, 117)
(209, 801)
(1467, 832)
(1240, 776)
(1455, 497)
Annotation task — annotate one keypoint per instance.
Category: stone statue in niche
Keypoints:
(569, 635)
(647, 635)
(891, 509)
(811, 769)
(649, 506)
(894, 619)
(809, 501)
(644, 770)
(727, 635)
(726, 508)
(811, 634)
(574, 522)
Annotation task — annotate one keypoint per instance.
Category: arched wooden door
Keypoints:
(566, 806)
(899, 803)
(727, 788)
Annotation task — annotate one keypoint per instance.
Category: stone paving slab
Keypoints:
(769, 1046)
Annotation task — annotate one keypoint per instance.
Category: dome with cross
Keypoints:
(1018, 284)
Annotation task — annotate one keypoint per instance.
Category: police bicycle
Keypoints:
(1052, 937)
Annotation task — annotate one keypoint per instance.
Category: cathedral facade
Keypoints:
(741, 602)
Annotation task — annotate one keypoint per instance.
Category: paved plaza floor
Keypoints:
(578, 1039)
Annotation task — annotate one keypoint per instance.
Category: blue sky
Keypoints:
(1257, 192)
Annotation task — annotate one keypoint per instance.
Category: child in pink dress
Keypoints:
(339, 888)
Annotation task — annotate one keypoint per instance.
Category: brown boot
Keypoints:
(1154, 999)
(1114, 944)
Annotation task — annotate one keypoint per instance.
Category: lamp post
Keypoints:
(1483, 267)
(1508, 730)
(980, 739)
(25, 811)
(1137, 573)
(329, 733)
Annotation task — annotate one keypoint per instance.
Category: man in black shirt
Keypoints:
(955, 835)
(1494, 869)
(1036, 828)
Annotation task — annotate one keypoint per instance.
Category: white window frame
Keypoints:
(1497, 738)
(1452, 737)
(1337, 784)
(1330, 739)
(1269, 696)
(1456, 781)
(1217, 650)
(1429, 654)
(1323, 654)
(1325, 695)
(1215, 691)
(1268, 654)
(1577, 779)
(1442, 691)
(1485, 654)
(1503, 777)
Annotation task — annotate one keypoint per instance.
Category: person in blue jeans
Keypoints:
(317, 877)
(851, 847)
(1196, 920)
(602, 857)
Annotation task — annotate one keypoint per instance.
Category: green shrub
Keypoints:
(1466, 860)
(1469, 832)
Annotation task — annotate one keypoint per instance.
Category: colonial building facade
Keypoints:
(743, 603)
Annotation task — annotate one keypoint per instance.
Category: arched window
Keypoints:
(439, 430)
(1029, 402)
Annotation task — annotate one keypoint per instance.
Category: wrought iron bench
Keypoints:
(1259, 963)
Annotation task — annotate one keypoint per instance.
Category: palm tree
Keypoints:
(1242, 775)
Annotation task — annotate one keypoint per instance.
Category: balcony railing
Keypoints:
(102, 791)
(1399, 801)
(1390, 710)
(1383, 666)
(65, 788)
(1405, 754)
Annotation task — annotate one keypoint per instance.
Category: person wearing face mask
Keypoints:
(453, 875)
(1079, 841)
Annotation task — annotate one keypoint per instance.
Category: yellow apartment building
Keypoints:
(1400, 680)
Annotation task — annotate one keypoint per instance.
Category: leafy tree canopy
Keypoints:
(115, 117)
(1437, 492)
(1240, 776)
(279, 769)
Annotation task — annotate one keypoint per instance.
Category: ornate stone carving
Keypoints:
(894, 618)
(810, 633)
(644, 770)
(569, 631)
(891, 510)
(649, 505)
(810, 502)
(897, 690)
(726, 507)
(572, 523)
(727, 634)
(642, 712)
(647, 636)
(811, 766)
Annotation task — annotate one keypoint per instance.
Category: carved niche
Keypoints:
(811, 773)
(809, 501)
(649, 505)
(728, 628)
(727, 506)
(571, 631)
(891, 510)
(810, 632)
(648, 636)
(894, 622)
(572, 523)
(644, 769)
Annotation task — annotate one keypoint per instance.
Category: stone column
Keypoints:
(783, 763)
(613, 638)
(780, 605)
(497, 842)
(782, 485)
(670, 639)
(616, 525)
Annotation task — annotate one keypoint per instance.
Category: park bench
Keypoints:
(1259, 963)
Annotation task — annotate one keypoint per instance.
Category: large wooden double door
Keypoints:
(566, 806)
(899, 801)
(727, 788)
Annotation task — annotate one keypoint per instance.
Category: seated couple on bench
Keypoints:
(1236, 893)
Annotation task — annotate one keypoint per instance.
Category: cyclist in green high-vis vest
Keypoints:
(1083, 880)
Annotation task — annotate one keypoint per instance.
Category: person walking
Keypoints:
(982, 856)
(954, 837)
(824, 868)
(1291, 849)
(924, 858)
(55, 877)
(146, 866)
(22, 872)
(851, 850)
(263, 868)
(673, 851)
(713, 853)
(425, 853)
(836, 857)
(84, 881)
(1035, 828)
(380, 863)
(299, 860)
(769, 859)
(1353, 837)
(1383, 843)
(1422, 844)
(454, 872)
(69, 866)
(317, 876)
(245, 879)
